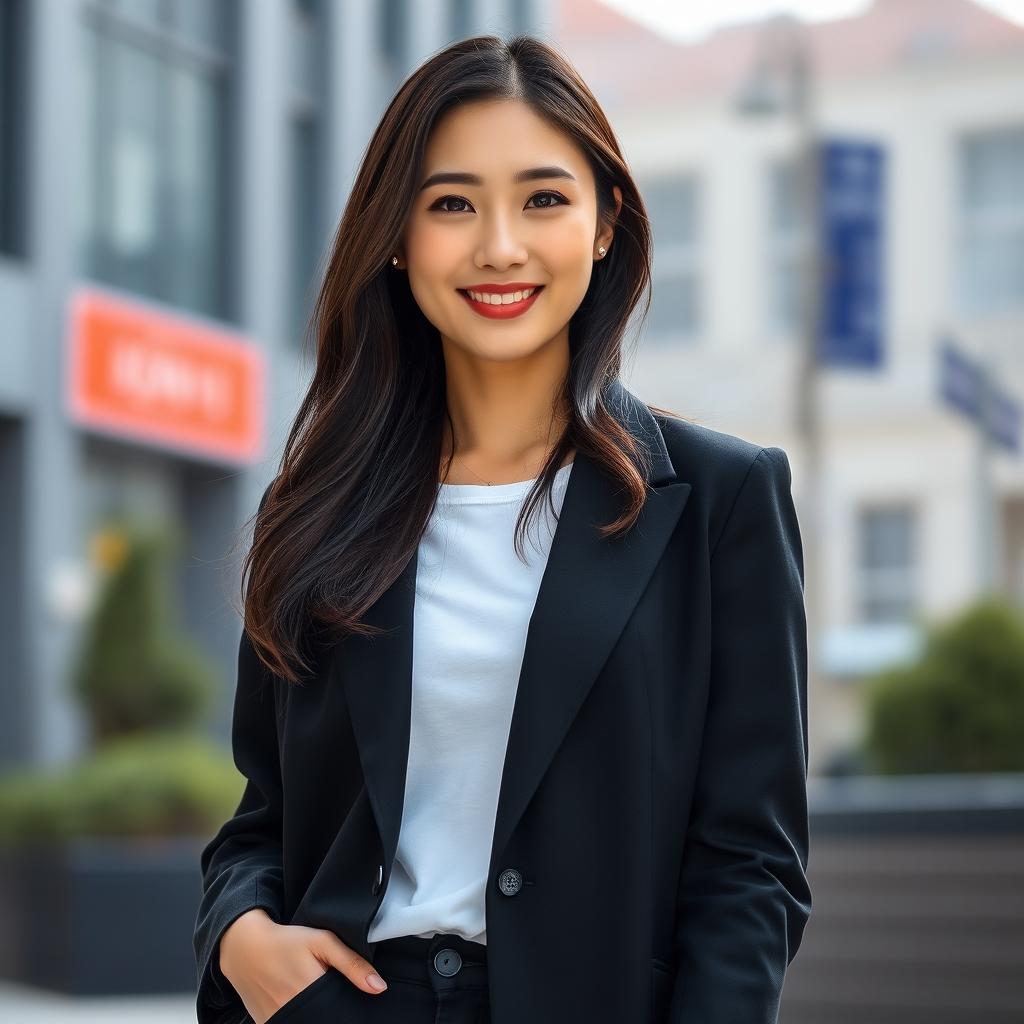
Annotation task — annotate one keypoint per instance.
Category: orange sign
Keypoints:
(152, 376)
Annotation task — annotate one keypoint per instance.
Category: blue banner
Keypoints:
(852, 200)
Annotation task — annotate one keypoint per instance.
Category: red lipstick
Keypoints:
(505, 310)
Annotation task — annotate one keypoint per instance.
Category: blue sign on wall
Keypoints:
(965, 386)
(961, 381)
(851, 220)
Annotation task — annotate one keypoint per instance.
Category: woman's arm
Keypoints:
(241, 865)
(743, 896)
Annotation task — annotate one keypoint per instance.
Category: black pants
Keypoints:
(440, 980)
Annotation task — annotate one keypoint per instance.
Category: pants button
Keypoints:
(447, 962)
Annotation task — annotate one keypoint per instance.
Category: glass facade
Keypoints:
(11, 82)
(306, 156)
(153, 206)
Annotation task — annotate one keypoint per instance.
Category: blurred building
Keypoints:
(918, 518)
(170, 174)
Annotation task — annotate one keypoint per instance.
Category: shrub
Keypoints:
(960, 707)
(164, 784)
(135, 671)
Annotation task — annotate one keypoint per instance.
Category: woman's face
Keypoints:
(480, 234)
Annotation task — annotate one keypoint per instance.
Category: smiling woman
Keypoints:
(507, 220)
(560, 789)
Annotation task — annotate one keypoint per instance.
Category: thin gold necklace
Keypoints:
(477, 475)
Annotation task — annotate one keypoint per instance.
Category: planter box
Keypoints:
(100, 916)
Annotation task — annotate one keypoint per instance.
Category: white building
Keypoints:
(940, 85)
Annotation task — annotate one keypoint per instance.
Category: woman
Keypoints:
(551, 786)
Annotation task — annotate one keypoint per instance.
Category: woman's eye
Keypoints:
(558, 200)
(439, 205)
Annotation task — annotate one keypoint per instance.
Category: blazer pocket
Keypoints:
(300, 997)
(662, 976)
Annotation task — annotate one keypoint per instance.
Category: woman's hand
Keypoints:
(269, 963)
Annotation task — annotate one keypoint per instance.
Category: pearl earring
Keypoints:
(601, 249)
(394, 261)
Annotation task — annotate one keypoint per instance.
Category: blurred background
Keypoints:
(837, 191)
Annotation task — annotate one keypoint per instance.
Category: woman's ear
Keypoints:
(604, 237)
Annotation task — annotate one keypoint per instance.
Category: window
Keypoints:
(153, 201)
(12, 45)
(460, 18)
(886, 564)
(787, 242)
(521, 13)
(991, 201)
(306, 152)
(673, 206)
(392, 18)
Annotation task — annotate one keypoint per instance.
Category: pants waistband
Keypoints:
(444, 960)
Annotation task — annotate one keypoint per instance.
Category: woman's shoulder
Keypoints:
(702, 455)
(720, 467)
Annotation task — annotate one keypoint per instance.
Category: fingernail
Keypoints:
(377, 982)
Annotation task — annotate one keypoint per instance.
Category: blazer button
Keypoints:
(378, 879)
(510, 881)
(447, 962)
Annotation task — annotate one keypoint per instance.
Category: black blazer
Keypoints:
(651, 839)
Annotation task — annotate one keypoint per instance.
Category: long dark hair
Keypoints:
(359, 473)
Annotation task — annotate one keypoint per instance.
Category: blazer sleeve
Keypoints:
(241, 865)
(743, 898)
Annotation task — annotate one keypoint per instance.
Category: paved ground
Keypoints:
(22, 1005)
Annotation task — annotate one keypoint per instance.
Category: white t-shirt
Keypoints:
(474, 599)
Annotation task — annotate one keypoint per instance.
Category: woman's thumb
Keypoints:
(356, 968)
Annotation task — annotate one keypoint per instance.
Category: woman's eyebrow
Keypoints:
(465, 178)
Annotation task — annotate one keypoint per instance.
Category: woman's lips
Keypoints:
(506, 310)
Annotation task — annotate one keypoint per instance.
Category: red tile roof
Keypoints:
(627, 64)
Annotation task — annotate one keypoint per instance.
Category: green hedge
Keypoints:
(162, 784)
(960, 706)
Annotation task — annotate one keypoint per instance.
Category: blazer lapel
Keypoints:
(588, 590)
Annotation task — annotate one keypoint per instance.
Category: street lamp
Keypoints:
(781, 82)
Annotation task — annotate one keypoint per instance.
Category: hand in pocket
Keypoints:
(270, 964)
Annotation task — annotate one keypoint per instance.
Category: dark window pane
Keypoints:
(787, 284)
(993, 172)
(991, 250)
(13, 44)
(672, 206)
(205, 21)
(305, 42)
(461, 18)
(148, 10)
(152, 199)
(994, 268)
(786, 202)
(87, 198)
(392, 17)
(674, 313)
(196, 262)
(305, 224)
(886, 538)
(887, 564)
(125, 248)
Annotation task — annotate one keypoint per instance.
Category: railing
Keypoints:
(917, 916)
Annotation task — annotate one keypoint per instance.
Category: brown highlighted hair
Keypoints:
(359, 473)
